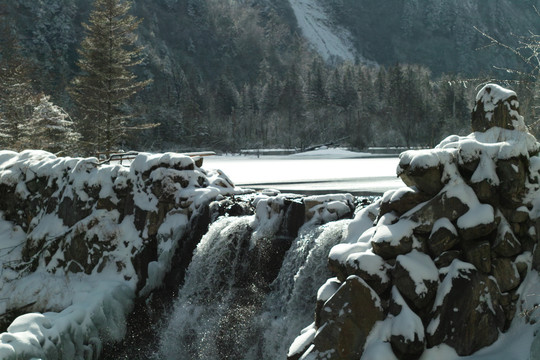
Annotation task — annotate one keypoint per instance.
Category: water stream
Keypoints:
(232, 307)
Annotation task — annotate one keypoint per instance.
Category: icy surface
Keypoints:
(329, 173)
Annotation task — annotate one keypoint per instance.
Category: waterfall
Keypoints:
(232, 307)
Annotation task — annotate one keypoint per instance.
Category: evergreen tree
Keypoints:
(292, 103)
(106, 83)
(17, 96)
(52, 128)
(316, 88)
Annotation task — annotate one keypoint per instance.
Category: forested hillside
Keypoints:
(227, 75)
(436, 33)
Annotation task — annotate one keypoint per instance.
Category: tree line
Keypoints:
(258, 85)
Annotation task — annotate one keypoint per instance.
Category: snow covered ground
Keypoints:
(324, 170)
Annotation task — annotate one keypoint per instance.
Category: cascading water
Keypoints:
(231, 307)
(288, 307)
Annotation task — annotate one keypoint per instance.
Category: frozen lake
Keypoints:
(304, 174)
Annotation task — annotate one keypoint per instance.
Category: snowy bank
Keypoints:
(82, 241)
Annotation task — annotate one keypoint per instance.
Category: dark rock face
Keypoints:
(443, 238)
(495, 106)
(418, 287)
(469, 315)
(346, 320)
(402, 201)
(428, 180)
(440, 206)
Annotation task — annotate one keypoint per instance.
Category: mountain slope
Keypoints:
(329, 40)
(436, 33)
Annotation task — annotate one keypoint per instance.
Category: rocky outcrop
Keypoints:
(446, 254)
(132, 230)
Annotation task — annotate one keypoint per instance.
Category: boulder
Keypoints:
(407, 335)
(522, 263)
(506, 244)
(427, 180)
(486, 191)
(478, 253)
(392, 240)
(371, 268)
(446, 258)
(467, 312)
(476, 223)
(495, 106)
(347, 319)
(512, 174)
(401, 200)
(443, 237)
(325, 292)
(505, 273)
(443, 205)
(416, 277)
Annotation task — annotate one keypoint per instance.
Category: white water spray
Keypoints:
(225, 310)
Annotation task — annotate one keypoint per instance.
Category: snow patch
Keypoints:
(329, 40)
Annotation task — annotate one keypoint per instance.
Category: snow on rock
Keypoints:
(363, 220)
(74, 333)
(87, 230)
(497, 106)
(420, 269)
(301, 342)
(329, 288)
(457, 247)
(407, 332)
(325, 208)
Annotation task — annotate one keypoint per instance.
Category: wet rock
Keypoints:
(468, 315)
(230, 206)
(325, 208)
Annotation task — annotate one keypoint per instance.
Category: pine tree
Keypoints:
(17, 96)
(52, 128)
(106, 83)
